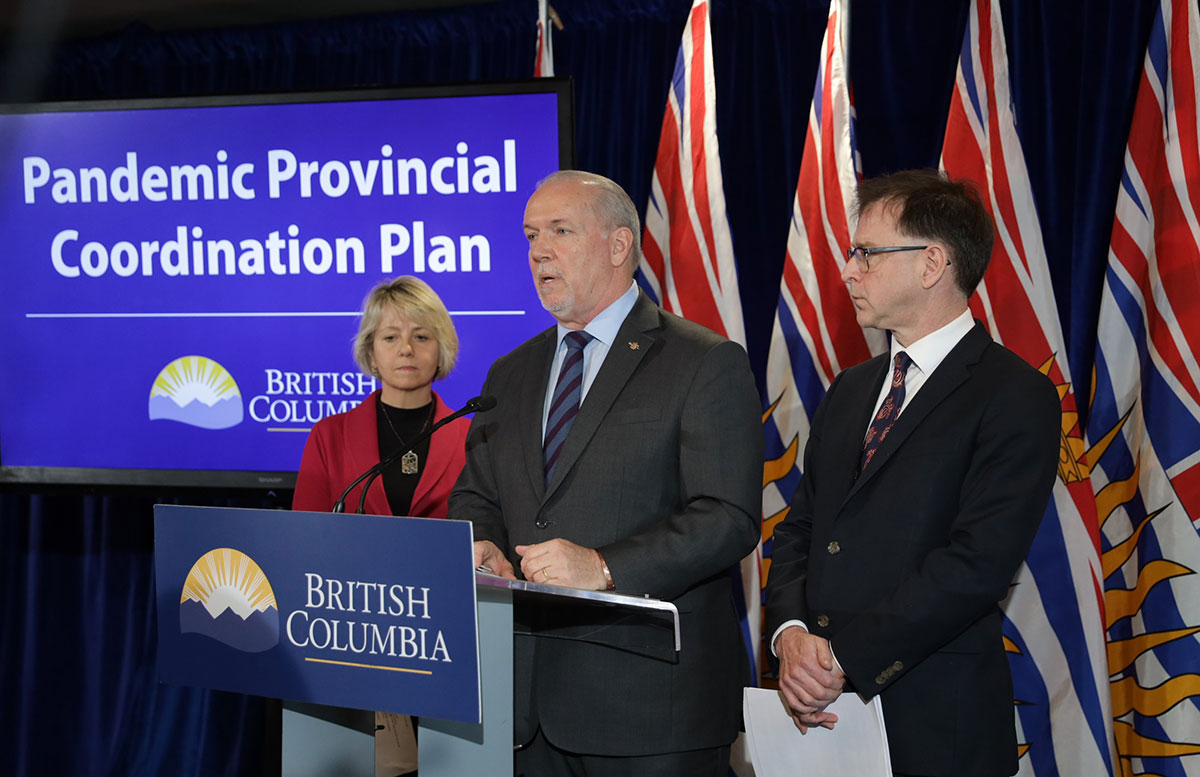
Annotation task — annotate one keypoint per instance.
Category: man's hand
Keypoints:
(809, 680)
(488, 555)
(815, 720)
(560, 562)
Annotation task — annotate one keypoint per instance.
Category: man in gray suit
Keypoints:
(625, 454)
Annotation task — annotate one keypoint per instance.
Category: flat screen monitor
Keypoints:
(183, 278)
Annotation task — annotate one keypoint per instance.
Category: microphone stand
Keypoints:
(476, 405)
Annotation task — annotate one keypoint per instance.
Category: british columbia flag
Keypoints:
(1054, 627)
(688, 261)
(1144, 421)
(815, 334)
(543, 62)
(687, 264)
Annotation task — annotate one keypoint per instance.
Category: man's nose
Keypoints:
(539, 250)
(850, 271)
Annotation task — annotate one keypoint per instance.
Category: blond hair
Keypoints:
(414, 300)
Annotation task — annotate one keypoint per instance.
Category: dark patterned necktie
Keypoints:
(882, 423)
(564, 404)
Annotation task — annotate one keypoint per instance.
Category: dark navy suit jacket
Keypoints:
(903, 568)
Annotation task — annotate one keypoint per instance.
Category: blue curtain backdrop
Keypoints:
(78, 633)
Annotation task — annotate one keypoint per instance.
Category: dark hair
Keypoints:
(929, 205)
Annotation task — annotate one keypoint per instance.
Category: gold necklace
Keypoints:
(410, 462)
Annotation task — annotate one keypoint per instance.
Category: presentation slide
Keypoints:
(183, 279)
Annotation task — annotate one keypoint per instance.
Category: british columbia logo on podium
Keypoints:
(364, 611)
(227, 597)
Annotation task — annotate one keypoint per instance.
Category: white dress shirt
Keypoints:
(926, 354)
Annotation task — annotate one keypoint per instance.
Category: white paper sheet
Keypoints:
(856, 747)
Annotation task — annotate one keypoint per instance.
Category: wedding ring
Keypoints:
(544, 575)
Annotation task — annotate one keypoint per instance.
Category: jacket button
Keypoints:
(542, 523)
(896, 667)
(833, 548)
(880, 680)
(822, 620)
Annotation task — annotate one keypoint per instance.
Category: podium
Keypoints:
(450, 749)
(347, 614)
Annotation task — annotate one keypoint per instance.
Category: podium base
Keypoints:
(323, 741)
(451, 749)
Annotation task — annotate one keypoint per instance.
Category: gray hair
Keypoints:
(610, 203)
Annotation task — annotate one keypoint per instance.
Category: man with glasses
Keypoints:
(926, 473)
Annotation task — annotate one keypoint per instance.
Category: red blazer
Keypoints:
(343, 446)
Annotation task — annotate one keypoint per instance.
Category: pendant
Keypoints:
(409, 463)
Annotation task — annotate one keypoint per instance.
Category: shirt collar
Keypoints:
(607, 322)
(928, 352)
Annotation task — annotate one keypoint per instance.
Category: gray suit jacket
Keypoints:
(661, 472)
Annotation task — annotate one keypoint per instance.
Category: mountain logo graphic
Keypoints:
(197, 391)
(227, 597)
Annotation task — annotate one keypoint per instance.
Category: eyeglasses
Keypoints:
(862, 256)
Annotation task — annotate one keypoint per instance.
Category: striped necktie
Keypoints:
(564, 404)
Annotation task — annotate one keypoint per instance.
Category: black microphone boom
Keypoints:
(475, 405)
(479, 405)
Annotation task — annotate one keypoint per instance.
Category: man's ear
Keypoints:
(935, 266)
(621, 244)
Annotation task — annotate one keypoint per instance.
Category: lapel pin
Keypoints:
(633, 345)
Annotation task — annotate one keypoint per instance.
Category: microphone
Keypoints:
(475, 405)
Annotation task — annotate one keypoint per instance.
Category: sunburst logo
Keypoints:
(1143, 691)
(197, 391)
(227, 597)
(775, 470)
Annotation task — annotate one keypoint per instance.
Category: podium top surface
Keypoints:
(631, 601)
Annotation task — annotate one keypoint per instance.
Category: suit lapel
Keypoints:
(626, 352)
(533, 401)
(950, 374)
